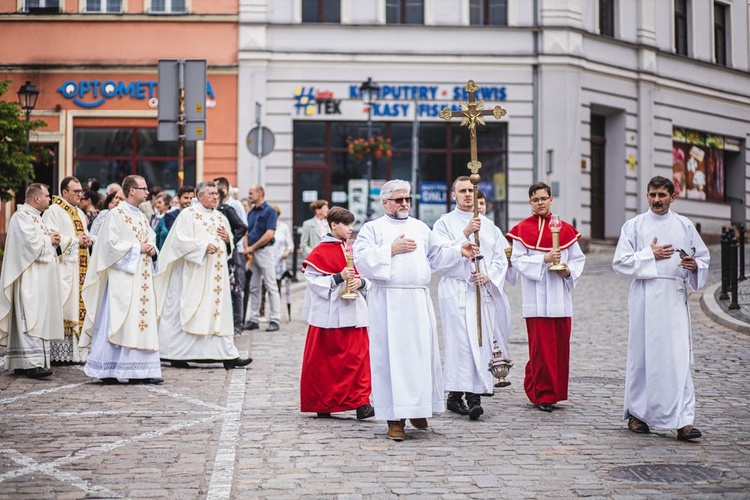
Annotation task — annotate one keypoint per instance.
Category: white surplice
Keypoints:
(30, 305)
(193, 292)
(658, 382)
(121, 325)
(407, 379)
(58, 220)
(466, 364)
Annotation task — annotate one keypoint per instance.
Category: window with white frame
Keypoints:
(488, 12)
(168, 6)
(721, 39)
(42, 4)
(104, 6)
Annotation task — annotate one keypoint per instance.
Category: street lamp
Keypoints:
(27, 95)
(369, 92)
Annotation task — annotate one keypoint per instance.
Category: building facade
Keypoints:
(600, 96)
(94, 63)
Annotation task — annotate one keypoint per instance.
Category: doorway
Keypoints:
(598, 168)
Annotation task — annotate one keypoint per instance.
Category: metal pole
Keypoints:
(28, 131)
(181, 126)
(415, 158)
(724, 264)
(741, 230)
(733, 248)
(368, 210)
(259, 122)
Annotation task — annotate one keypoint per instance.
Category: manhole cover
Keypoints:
(665, 473)
(597, 380)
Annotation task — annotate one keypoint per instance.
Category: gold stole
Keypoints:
(83, 264)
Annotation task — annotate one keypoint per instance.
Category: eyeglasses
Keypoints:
(142, 188)
(543, 199)
(399, 201)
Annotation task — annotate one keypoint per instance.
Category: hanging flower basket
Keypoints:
(378, 147)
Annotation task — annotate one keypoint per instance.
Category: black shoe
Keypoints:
(272, 326)
(236, 363)
(251, 325)
(110, 381)
(154, 381)
(38, 372)
(474, 402)
(545, 407)
(179, 364)
(324, 415)
(457, 405)
(365, 411)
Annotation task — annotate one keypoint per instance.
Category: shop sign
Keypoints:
(94, 93)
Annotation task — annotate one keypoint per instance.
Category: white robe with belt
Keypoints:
(466, 364)
(658, 382)
(407, 379)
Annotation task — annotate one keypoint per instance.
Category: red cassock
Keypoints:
(336, 362)
(546, 377)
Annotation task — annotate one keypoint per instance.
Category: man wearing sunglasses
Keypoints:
(67, 219)
(398, 254)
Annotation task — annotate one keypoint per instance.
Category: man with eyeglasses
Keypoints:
(546, 297)
(121, 324)
(398, 254)
(66, 218)
(192, 287)
(465, 372)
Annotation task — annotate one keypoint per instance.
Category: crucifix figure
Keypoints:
(472, 113)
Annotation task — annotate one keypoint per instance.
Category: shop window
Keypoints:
(321, 11)
(681, 26)
(104, 6)
(698, 164)
(607, 17)
(444, 151)
(721, 21)
(404, 11)
(488, 12)
(111, 154)
(168, 7)
(42, 6)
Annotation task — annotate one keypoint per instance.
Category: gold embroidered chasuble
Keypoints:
(30, 273)
(70, 222)
(132, 297)
(205, 298)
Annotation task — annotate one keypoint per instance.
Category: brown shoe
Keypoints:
(396, 431)
(638, 426)
(419, 423)
(688, 432)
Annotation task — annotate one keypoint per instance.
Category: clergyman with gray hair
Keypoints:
(398, 254)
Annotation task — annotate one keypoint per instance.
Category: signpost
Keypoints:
(182, 105)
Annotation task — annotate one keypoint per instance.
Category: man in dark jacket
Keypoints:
(239, 228)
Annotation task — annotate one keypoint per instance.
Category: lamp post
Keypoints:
(369, 92)
(27, 95)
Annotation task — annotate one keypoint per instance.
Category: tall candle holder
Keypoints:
(349, 294)
(554, 226)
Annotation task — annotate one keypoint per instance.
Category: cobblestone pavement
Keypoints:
(211, 433)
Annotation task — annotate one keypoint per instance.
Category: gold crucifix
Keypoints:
(472, 113)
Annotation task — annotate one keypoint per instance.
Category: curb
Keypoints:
(714, 311)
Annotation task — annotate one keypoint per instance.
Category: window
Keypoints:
(321, 11)
(681, 27)
(607, 17)
(42, 6)
(168, 6)
(488, 12)
(111, 154)
(721, 13)
(404, 11)
(104, 6)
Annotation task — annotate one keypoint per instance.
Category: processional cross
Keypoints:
(472, 113)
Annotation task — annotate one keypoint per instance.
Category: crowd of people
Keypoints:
(143, 278)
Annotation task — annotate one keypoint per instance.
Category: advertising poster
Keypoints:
(432, 201)
(698, 165)
(358, 200)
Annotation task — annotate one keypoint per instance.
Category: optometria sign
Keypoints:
(94, 93)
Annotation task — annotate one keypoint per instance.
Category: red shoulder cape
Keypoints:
(535, 234)
(327, 258)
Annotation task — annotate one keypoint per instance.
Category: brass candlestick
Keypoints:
(555, 225)
(349, 294)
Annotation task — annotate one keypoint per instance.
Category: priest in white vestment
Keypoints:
(121, 326)
(397, 254)
(663, 253)
(64, 217)
(466, 369)
(30, 305)
(192, 286)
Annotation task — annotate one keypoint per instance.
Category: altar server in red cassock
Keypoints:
(546, 297)
(336, 363)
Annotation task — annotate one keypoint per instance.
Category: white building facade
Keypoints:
(601, 95)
